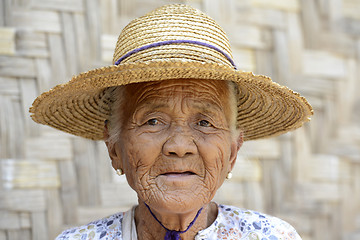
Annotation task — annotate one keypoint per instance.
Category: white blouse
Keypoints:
(231, 223)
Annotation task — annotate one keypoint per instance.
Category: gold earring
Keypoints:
(119, 171)
(229, 175)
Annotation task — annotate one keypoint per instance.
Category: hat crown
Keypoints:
(173, 32)
(176, 9)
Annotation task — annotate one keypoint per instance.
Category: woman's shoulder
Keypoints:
(233, 222)
(106, 228)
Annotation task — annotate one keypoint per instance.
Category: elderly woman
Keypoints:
(173, 112)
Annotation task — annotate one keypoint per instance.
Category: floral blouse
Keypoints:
(231, 223)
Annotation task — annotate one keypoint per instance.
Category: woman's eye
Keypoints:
(204, 123)
(152, 122)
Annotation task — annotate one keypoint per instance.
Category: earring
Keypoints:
(229, 175)
(119, 171)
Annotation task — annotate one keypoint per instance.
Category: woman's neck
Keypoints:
(148, 228)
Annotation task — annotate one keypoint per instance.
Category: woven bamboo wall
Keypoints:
(311, 177)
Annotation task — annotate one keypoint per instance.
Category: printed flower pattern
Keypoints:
(236, 223)
(104, 229)
(232, 223)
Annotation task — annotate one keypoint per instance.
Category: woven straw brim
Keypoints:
(78, 107)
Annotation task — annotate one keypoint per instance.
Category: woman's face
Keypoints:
(175, 145)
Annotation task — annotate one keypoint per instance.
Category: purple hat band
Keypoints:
(175, 42)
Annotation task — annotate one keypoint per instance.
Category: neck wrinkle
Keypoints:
(148, 228)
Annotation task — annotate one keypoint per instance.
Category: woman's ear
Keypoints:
(113, 151)
(235, 147)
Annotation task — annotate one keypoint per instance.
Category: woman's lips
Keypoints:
(177, 180)
(178, 174)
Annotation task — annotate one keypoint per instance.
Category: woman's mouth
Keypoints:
(178, 179)
(178, 174)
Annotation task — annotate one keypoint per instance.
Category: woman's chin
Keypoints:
(181, 205)
(177, 201)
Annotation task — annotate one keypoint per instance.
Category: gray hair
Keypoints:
(116, 101)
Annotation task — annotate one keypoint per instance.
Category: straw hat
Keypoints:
(171, 42)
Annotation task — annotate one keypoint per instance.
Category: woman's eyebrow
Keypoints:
(207, 106)
(203, 106)
(148, 107)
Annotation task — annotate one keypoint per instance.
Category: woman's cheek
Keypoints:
(142, 149)
(216, 159)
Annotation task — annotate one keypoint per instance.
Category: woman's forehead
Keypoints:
(203, 94)
(197, 89)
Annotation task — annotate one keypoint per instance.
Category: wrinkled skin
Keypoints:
(176, 147)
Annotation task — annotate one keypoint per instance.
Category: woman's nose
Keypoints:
(180, 143)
